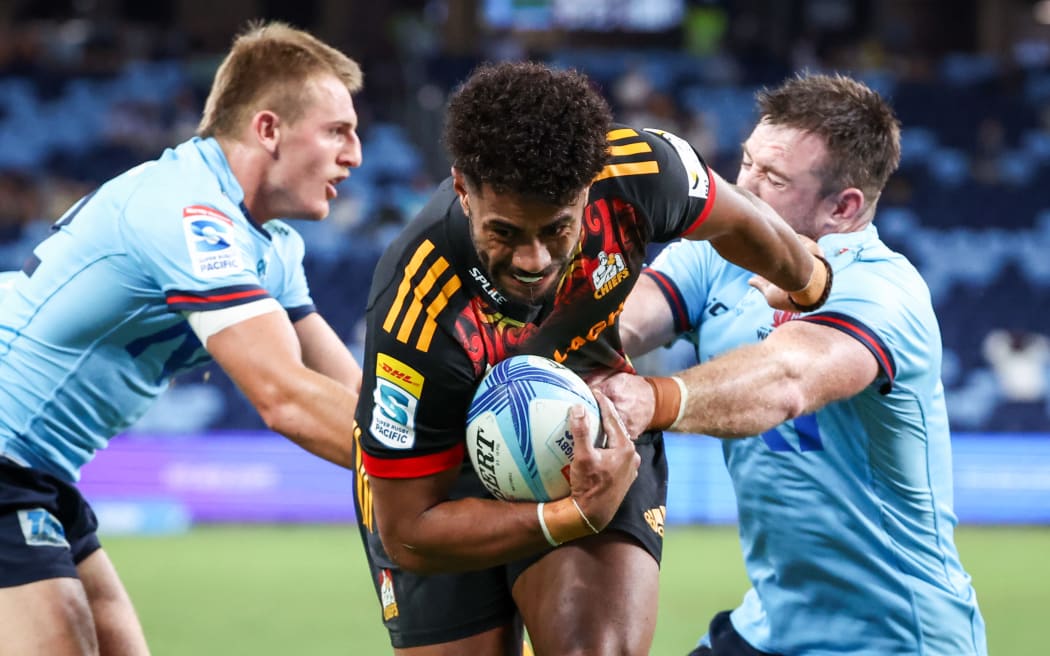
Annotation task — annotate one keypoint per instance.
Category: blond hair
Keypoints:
(266, 68)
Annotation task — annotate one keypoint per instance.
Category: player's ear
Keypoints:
(459, 184)
(848, 204)
(266, 128)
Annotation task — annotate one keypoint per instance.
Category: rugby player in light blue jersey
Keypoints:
(164, 267)
(844, 488)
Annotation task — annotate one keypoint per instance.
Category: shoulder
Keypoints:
(649, 161)
(417, 282)
(170, 185)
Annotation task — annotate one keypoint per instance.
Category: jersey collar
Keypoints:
(215, 159)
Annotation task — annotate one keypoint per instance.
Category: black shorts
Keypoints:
(46, 527)
(424, 610)
(725, 641)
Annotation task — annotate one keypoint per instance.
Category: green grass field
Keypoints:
(305, 590)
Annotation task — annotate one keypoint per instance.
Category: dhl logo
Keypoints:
(400, 374)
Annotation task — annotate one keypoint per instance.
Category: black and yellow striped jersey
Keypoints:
(435, 322)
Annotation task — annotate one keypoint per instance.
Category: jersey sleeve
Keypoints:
(196, 252)
(684, 272)
(663, 176)
(418, 380)
(883, 304)
(285, 275)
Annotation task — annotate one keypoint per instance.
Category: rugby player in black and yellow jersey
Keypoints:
(531, 246)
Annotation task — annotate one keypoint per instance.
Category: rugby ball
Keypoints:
(518, 430)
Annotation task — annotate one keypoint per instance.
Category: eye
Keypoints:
(557, 230)
(500, 232)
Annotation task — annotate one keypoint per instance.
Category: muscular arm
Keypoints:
(424, 531)
(799, 368)
(646, 322)
(325, 353)
(746, 231)
(264, 358)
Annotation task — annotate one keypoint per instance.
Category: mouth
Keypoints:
(330, 190)
(529, 280)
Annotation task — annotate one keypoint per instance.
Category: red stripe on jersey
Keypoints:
(217, 298)
(416, 467)
(861, 334)
(707, 208)
(670, 292)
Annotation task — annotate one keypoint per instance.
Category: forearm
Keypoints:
(766, 245)
(325, 353)
(798, 369)
(474, 533)
(743, 393)
(313, 411)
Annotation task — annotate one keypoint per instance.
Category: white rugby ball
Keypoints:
(518, 431)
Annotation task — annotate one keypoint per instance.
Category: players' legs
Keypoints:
(46, 618)
(116, 624)
(593, 596)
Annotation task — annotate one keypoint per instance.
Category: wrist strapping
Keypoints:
(583, 516)
(670, 396)
(543, 525)
(817, 290)
(563, 520)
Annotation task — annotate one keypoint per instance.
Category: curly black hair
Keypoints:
(529, 130)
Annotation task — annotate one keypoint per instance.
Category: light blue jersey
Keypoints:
(846, 517)
(93, 328)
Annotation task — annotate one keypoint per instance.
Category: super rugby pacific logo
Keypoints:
(209, 227)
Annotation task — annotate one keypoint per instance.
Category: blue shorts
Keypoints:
(725, 641)
(46, 527)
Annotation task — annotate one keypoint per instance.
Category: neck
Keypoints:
(245, 165)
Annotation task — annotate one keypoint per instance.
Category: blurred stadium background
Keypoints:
(232, 541)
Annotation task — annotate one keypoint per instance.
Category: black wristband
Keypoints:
(823, 296)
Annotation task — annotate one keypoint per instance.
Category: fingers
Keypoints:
(615, 432)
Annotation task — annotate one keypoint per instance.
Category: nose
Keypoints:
(531, 257)
(350, 156)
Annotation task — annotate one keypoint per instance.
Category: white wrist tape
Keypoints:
(682, 403)
(543, 526)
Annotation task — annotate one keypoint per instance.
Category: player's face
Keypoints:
(315, 152)
(525, 245)
(781, 165)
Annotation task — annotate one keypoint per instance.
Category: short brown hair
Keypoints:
(530, 130)
(859, 128)
(265, 69)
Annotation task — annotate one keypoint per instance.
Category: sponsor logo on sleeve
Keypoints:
(209, 239)
(699, 184)
(396, 396)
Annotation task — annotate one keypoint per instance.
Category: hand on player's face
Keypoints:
(601, 476)
(776, 297)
